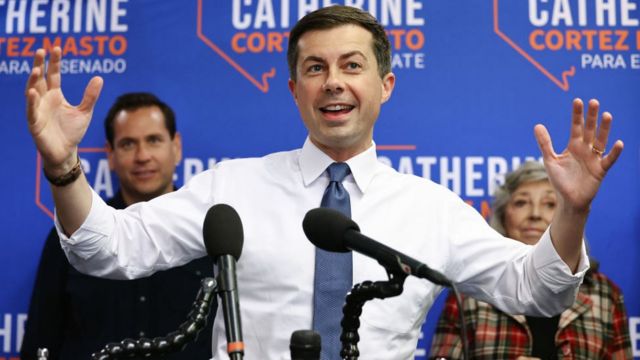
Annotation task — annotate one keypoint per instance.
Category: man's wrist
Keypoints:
(66, 178)
(569, 211)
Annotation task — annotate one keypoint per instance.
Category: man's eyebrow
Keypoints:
(316, 58)
(125, 139)
(352, 53)
(313, 58)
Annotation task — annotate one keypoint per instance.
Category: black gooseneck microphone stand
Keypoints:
(355, 300)
(368, 290)
(174, 341)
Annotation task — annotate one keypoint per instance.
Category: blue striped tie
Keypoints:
(333, 272)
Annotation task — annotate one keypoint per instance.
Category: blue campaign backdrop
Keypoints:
(473, 78)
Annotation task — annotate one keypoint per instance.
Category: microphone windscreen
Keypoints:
(326, 228)
(222, 232)
(305, 344)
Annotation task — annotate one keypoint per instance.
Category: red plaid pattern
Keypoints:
(595, 327)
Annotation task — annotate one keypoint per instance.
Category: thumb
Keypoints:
(544, 141)
(91, 94)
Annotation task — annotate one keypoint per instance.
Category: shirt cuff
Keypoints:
(555, 273)
(87, 240)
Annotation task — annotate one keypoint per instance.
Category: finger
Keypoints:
(36, 78)
(544, 142)
(91, 94)
(576, 120)
(53, 69)
(32, 81)
(612, 156)
(600, 142)
(592, 122)
(33, 98)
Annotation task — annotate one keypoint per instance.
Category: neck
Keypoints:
(339, 154)
(128, 198)
(131, 198)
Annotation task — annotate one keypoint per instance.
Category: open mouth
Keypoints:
(337, 109)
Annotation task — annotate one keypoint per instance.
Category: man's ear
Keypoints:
(388, 83)
(177, 147)
(109, 151)
(292, 90)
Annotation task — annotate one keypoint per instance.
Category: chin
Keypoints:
(531, 240)
(148, 191)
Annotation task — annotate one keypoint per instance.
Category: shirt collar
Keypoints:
(314, 162)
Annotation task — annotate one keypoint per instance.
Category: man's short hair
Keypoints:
(334, 16)
(134, 101)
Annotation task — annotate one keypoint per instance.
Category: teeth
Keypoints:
(336, 107)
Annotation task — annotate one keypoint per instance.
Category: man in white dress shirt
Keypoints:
(340, 75)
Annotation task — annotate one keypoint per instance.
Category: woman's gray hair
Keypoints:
(530, 171)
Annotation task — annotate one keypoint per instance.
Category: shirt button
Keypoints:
(198, 273)
(143, 298)
(141, 333)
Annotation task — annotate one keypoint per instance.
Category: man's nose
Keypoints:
(334, 82)
(142, 153)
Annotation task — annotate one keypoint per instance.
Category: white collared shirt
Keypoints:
(276, 269)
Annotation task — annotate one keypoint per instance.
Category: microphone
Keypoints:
(305, 345)
(330, 230)
(223, 239)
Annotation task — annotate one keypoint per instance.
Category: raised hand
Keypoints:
(56, 126)
(577, 172)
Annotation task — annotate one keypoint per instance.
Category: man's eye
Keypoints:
(354, 66)
(315, 68)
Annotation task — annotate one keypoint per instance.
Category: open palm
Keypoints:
(56, 126)
(578, 171)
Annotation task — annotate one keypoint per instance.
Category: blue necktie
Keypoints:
(333, 272)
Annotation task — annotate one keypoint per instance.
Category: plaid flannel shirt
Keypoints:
(594, 327)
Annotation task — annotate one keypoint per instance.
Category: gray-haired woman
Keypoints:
(594, 327)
